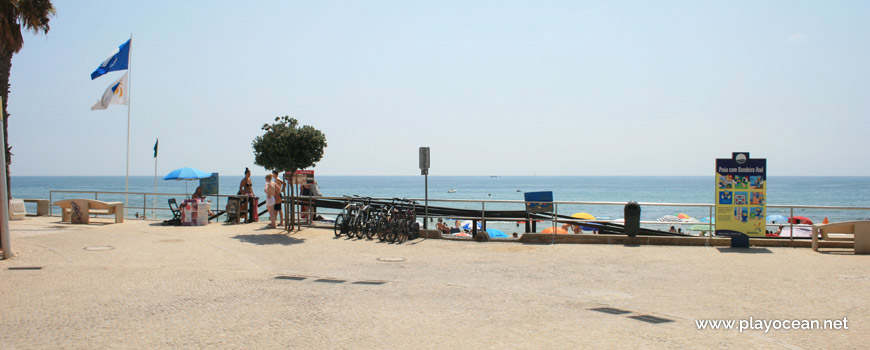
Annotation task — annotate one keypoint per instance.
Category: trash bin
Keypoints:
(632, 218)
(740, 241)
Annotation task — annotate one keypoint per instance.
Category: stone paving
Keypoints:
(140, 285)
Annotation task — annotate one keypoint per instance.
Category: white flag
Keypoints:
(116, 94)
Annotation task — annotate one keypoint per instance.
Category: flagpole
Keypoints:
(154, 199)
(129, 103)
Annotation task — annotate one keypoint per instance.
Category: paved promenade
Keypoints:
(138, 285)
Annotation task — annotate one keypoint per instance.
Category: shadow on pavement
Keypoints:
(269, 239)
(745, 250)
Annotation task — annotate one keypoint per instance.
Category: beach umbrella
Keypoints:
(583, 216)
(708, 219)
(776, 217)
(186, 174)
(466, 225)
(557, 230)
(683, 216)
(800, 220)
(669, 218)
(493, 233)
(690, 220)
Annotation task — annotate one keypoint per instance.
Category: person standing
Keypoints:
(279, 197)
(246, 188)
(270, 199)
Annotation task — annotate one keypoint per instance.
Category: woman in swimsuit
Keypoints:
(270, 199)
(246, 188)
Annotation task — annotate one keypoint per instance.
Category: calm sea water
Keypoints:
(820, 191)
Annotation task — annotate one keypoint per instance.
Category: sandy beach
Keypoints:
(142, 285)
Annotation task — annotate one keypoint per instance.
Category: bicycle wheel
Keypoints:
(360, 230)
(373, 227)
(382, 230)
(392, 231)
(402, 236)
(339, 225)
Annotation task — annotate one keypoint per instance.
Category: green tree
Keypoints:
(32, 15)
(285, 146)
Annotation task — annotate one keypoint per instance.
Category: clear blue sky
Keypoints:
(493, 87)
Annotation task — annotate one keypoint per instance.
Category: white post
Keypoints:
(154, 197)
(129, 104)
(4, 201)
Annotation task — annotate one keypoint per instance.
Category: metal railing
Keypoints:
(483, 203)
(556, 205)
(145, 196)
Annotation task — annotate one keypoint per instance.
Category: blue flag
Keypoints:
(117, 61)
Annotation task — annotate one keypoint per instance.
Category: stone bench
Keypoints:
(41, 206)
(87, 207)
(855, 232)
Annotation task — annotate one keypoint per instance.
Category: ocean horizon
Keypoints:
(849, 191)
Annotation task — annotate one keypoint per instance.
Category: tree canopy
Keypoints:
(31, 15)
(285, 146)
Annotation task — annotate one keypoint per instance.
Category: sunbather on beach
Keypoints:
(576, 228)
(458, 227)
(442, 227)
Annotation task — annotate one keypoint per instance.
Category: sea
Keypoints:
(781, 190)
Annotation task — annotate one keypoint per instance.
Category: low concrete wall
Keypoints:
(539, 238)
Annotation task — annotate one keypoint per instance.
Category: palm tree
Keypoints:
(32, 15)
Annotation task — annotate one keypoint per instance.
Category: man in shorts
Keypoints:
(280, 198)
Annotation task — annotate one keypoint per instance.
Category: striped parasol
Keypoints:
(669, 218)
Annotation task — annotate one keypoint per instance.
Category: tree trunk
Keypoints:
(5, 69)
(292, 200)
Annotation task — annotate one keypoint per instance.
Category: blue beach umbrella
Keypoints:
(777, 217)
(708, 219)
(493, 233)
(186, 173)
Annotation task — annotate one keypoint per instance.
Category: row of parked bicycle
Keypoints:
(391, 221)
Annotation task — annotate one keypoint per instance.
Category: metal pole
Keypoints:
(154, 201)
(791, 224)
(710, 234)
(483, 214)
(129, 103)
(426, 211)
(4, 200)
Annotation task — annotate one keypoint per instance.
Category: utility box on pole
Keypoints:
(424, 170)
(424, 160)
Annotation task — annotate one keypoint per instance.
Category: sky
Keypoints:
(492, 87)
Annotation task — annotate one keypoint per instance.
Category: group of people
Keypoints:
(273, 189)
